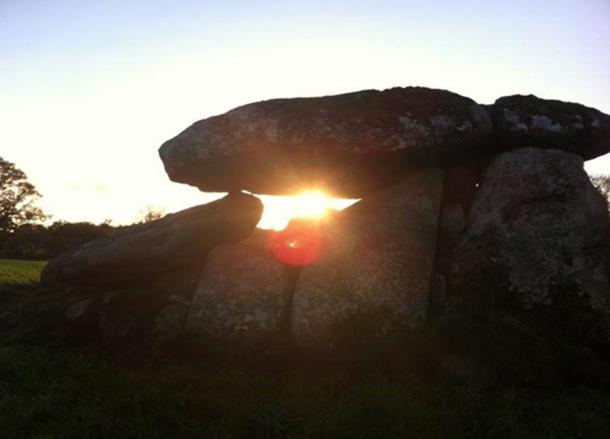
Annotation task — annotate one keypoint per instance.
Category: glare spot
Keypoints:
(311, 204)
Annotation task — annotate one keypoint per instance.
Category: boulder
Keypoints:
(543, 123)
(133, 318)
(471, 344)
(242, 299)
(374, 276)
(347, 145)
(535, 238)
(354, 144)
(146, 251)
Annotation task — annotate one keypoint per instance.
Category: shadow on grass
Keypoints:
(54, 387)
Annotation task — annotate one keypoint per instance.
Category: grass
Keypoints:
(43, 394)
(58, 390)
(19, 273)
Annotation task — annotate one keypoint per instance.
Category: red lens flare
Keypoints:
(299, 244)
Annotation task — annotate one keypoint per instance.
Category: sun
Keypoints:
(311, 204)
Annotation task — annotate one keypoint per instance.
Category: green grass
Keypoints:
(54, 389)
(57, 395)
(15, 272)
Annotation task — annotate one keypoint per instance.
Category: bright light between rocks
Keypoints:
(279, 210)
(312, 204)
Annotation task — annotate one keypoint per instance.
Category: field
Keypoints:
(55, 389)
(13, 272)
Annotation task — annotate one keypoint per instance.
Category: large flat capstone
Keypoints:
(353, 144)
(523, 121)
(347, 144)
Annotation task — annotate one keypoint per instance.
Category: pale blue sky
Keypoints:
(90, 89)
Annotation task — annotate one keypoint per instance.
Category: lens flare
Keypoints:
(300, 244)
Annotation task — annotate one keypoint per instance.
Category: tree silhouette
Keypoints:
(602, 182)
(150, 214)
(18, 198)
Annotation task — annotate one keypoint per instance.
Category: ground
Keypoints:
(61, 389)
(13, 272)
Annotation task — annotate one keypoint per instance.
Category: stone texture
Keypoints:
(543, 123)
(535, 238)
(149, 250)
(242, 298)
(136, 317)
(491, 347)
(452, 224)
(347, 144)
(374, 277)
(356, 143)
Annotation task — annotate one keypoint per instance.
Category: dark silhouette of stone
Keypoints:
(535, 238)
(242, 300)
(472, 344)
(374, 277)
(348, 144)
(356, 143)
(452, 224)
(147, 251)
(550, 124)
(133, 317)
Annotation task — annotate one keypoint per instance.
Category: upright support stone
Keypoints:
(535, 238)
(242, 299)
(374, 278)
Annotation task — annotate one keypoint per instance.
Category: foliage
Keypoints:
(150, 214)
(33, 241)
(13, 272)
(18, 198)
(602, 183)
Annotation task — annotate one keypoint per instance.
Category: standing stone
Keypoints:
(374, 277)
(146, 251)
(535, 238)
(242, 298)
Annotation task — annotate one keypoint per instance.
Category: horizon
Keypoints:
(90, 92)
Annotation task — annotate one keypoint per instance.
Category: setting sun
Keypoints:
(279, 210)
(312, 204)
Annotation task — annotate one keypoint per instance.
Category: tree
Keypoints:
(18, 198)
(602, 183)
(150, 214)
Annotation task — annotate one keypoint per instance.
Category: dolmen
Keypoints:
(479, 249)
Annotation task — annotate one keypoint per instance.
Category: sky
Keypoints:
(90, 89)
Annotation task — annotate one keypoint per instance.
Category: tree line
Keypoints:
(24, 229)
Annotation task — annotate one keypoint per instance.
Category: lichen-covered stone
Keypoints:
(356, 143)
(543, 123)
(147, 251)
(347, 144)
(374, 277)
(535, 238)
(242, 299)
